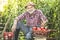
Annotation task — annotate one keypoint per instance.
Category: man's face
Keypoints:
(30, 8)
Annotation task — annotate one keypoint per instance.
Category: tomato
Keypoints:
(34, 28)
(5, 34)
(10, 34)
(38, 29)
(42, 28)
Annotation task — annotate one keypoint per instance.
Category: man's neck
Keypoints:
(32, 11)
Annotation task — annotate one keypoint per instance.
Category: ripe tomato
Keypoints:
(5, 33)
(34, 28)
(10, 34)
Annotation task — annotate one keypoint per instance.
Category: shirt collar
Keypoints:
(32, 11)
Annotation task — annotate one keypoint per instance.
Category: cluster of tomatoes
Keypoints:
(8, 35)
(39, 30)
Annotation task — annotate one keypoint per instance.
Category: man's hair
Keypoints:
(30, 4)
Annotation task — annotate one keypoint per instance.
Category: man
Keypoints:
(33, 18)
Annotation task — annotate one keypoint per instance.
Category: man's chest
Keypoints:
(32, 16)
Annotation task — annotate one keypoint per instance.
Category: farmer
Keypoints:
(33, 18)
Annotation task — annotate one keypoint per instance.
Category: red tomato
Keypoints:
(5, 33)
(44, 30)
(42, 27)
(34, 28)
(38, 29)
(10, 34)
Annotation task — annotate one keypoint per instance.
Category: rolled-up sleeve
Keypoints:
(20, 17)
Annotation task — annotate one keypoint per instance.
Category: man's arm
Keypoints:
(20, 17)
(43, 18)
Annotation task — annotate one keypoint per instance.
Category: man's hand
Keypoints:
(43, 23)
(13, 28)
(14, 25)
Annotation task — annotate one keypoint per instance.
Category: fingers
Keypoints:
(13, 29)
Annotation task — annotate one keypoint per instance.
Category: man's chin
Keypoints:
(31, 11)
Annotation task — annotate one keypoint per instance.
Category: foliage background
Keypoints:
(50, 8)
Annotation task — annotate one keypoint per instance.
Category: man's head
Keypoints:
(30, 6)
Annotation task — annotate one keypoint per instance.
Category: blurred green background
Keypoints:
(50, 8)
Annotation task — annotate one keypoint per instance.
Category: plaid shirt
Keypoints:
(33, 19)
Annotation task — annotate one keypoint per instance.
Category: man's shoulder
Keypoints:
(38, 10)
(24, 13)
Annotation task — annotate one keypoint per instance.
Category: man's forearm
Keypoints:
(15, 22)
(14, 25)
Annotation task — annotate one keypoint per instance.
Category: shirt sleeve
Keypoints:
(42, 17)
(20, 17)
